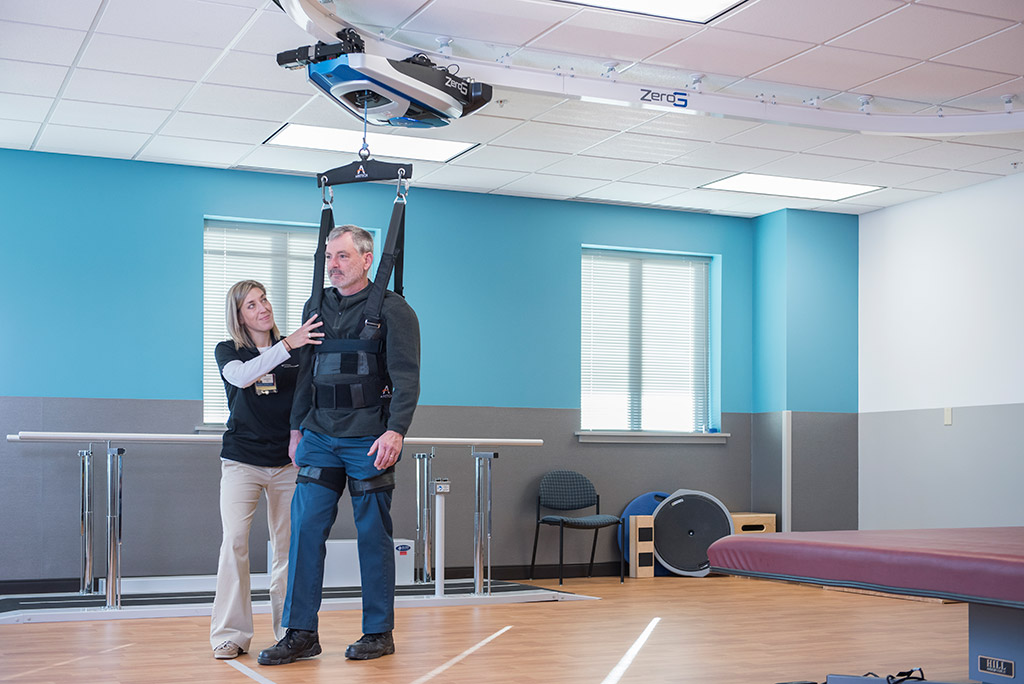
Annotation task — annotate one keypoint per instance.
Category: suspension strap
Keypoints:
(320, 258)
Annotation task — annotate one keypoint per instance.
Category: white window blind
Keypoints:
(278, 256)
(645, 342)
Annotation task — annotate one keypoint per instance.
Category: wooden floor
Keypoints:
(714, 630)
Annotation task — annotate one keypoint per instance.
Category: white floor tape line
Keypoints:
(441, 668)
(249, 672)
(63, 662)
(620, 669)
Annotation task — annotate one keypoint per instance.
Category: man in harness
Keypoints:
(353, 406)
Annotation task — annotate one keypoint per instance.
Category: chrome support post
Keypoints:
(441, 488)
(87, 545)
(424, 502)
(114, 482)
(482, 520)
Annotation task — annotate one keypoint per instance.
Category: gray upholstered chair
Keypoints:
(567, 490)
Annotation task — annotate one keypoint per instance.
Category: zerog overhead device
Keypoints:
(413, 92)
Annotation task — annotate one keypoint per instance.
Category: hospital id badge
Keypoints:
(267, 384)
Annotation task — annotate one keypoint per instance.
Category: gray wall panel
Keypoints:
(916, 472)
(824, 468)
(766, 464)
(171, 513)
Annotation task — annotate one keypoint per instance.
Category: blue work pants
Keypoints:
(314, 510)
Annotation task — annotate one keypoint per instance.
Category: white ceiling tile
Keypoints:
(649, 148)
(294, 160)
(933, 83)
(789, 138)
(1003, 166)
(558, 187)
(90, 141)
(729, 157)
(593, 115)
(950, 180)
(950, 155)
(708, 200)
(502, 21)
(678, 177)
(812, 166)
(694, 126)
(807, 20)
(18, 134)
(1004, 9)
(834, 68)
(147, 57)
(601, 168)
(125, 89)
(508, 158)
(24, 107)
(993, 99)
(245, 103)
(614, 35)
(845, 208)
(472, 128)
(390, 13)
(319, 110)
(470, 178)
(227, 129)
(113, 117)
(44, 44)
(28, 78)
(273, 32)
(920, 32)
(73, 14)
(252, 4)
(514, 104)
(1002, 52)
(766, 204)
(725, 52)
(206, 152)
(191, 22)
(248, 69)
(552, 137)
(633, 193)
(886, 175)
(872, 147)
(888, 197)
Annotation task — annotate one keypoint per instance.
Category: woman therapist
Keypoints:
(259, 370)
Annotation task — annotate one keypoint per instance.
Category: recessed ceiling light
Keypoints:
(789, 187)
(699, 11)
(381, 144)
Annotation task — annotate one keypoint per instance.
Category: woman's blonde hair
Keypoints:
(236, 297)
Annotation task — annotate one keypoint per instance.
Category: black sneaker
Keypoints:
(371, 646)
(296, 644)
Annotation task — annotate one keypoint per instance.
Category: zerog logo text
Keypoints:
(676, 99)
(458, 85)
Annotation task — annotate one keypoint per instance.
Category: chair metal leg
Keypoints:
(533, 559)
(593, 550)
(561, 533)
(622, 557)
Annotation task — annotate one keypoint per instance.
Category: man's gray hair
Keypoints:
(360, 238)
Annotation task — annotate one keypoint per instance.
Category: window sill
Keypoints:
(639, 437)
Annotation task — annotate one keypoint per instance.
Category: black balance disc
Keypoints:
(685, 525)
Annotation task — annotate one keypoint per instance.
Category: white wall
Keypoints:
(942, 325)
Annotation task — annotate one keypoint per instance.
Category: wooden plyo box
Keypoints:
(747, 523)
(641, 546)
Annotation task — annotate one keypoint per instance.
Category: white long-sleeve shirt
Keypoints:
(245, 373)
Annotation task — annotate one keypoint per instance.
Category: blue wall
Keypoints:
(101, 278)
(805, 312)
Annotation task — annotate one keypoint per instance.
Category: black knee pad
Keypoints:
(378, 483)
(332, 478)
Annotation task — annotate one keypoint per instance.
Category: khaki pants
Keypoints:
(240, 488)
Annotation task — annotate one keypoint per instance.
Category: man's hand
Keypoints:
(293, 444)
(388, 448)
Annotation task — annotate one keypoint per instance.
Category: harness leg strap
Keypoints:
(332, 478)
(378, 483)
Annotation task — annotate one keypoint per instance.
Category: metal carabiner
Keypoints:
(400, 196)
(326, 192)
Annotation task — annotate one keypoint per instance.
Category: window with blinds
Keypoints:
(278, 256)
(645, 342)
